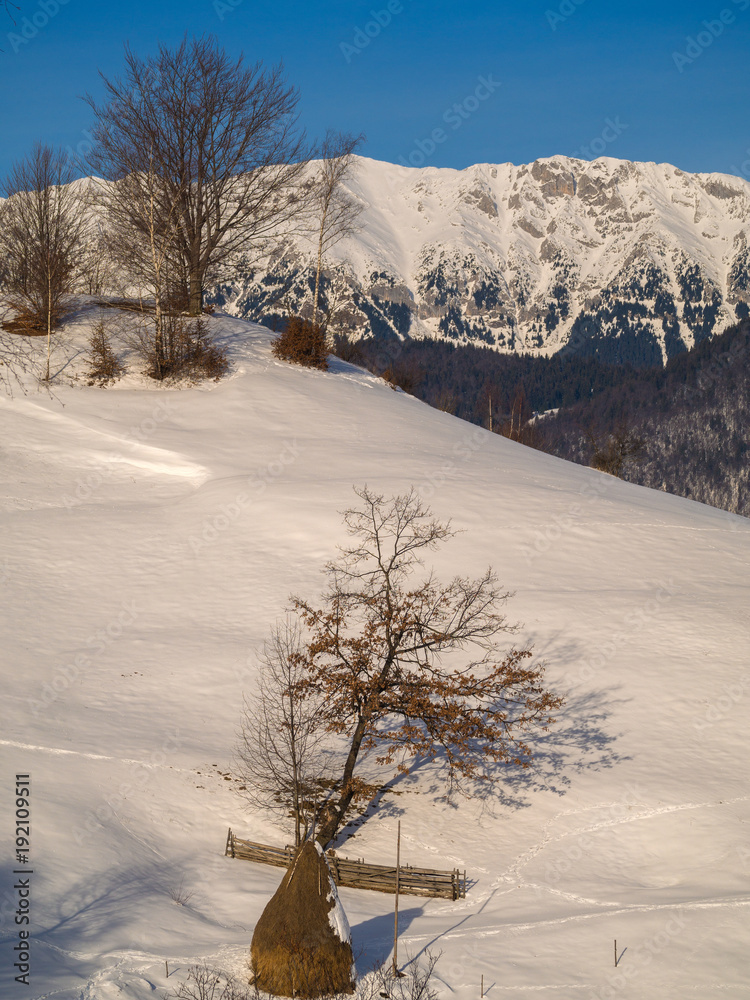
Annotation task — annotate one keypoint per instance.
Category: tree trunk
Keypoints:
(195, 307)
(317, 275)
(158, 333)
(49, 319)
(335, 815)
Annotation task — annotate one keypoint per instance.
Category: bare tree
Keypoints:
(142, 220)
(17, 359)
(375, 654)
(43, 228)
(281, 752)
(622, 447)
(334, 210)
(223, 139)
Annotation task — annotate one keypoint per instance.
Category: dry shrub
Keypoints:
(302, 343)
(104, 365)
(404, 376)
(184, 350)
(25, 325)
(205, 983)
(348, 350)
(623, 446)
(417, 983)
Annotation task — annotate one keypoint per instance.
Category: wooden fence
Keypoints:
(359, 874)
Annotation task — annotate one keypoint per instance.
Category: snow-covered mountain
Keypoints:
(632, 261)
(152, 535)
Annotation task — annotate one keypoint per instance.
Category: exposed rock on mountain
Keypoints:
(626, 261)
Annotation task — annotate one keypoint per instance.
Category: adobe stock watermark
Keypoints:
(214, 524)
(744, 169)
(712, 29)
(67, 673)
(86, 488)
(731, 695)
(596, 147)
(560, 524)
(38, 21)
(564, 12)
(151, 79)
(224, 7)
(583, 843)
(82, 150)
(379, 19)
(633, 621)
(642, 956)
(461, 452)
(455, 116)
(94, 819)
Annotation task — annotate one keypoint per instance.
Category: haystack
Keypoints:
(302, 943)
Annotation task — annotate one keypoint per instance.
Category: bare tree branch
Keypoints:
(334, 210)
(225, 145)
(376, 647)
(282, 749)
(43, 229)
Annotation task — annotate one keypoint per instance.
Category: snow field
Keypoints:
(151, 536)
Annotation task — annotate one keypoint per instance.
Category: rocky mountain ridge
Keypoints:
(626, 261)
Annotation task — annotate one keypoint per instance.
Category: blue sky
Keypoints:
(430, 82)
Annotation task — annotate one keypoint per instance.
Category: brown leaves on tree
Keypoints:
(376, 652)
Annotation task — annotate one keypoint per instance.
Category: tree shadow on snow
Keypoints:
(578, 741)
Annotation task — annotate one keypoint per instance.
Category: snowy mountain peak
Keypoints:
(629, 261)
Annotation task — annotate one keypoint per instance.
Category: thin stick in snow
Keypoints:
(395, 918)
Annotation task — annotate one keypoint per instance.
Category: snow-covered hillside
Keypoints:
(150, 538)
(633, 261)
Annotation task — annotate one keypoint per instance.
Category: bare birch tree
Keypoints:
(142, 221)
(281, 751)
(334, 210)
(43, 229)
(225, 144)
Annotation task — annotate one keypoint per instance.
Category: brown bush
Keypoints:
(302, 343)
(183, 350)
